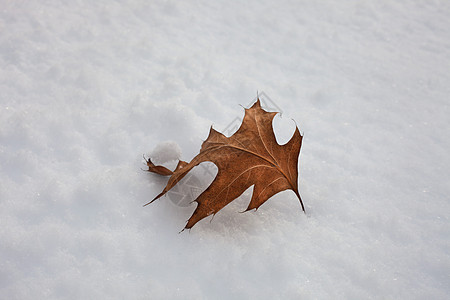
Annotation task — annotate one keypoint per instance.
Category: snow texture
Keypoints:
(88, 87)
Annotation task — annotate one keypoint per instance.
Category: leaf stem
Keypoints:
(301, 202)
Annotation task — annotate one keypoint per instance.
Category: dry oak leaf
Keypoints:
(249, 157)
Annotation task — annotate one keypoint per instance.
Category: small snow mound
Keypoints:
(165, 151)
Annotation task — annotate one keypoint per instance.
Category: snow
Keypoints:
(165, 151)
(88, 87)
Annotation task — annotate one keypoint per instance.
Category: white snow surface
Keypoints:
(88, 87)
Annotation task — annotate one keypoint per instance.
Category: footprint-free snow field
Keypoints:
(89, 87)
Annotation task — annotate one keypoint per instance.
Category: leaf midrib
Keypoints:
(258, 155)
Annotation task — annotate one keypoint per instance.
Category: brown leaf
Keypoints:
(249, 157)
(161, 170)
